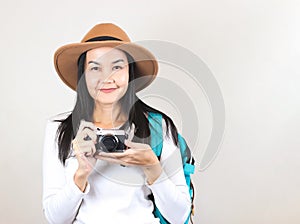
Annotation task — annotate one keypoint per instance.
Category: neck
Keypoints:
(108, 116)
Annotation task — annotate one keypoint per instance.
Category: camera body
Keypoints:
(110, 140)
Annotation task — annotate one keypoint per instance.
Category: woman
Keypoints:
(85, 185)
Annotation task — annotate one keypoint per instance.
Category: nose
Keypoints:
(107, 76)
(108, 80)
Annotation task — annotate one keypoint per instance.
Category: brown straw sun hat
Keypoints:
(105, 35)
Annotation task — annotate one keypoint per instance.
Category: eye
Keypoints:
(95, 68)
(117, 67)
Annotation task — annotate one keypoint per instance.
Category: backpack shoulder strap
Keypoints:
(156, 143)
(187, 158)
(156, 140)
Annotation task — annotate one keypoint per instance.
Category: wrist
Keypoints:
(80, 180)
(152, 172)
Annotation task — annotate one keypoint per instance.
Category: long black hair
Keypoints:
(133, 107)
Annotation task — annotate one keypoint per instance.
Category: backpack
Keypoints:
(156, 142)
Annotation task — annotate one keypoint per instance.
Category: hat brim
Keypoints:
(66, 59)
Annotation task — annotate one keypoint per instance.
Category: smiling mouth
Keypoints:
(108, 90)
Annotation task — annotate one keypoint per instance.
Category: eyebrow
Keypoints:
(119, 60)
(90, 62)
(114, 62)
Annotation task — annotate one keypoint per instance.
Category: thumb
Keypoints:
(130, 144)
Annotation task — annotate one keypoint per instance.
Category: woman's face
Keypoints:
(107, 74)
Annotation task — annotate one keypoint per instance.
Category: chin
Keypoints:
(107, 102)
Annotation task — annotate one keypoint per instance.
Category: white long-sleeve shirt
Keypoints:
(115, 194)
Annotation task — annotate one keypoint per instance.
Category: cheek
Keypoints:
(122, 79)
(91, 83)
(91, 80)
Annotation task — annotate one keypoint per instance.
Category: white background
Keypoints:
(252, 47)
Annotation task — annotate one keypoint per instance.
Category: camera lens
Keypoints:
(110, 142)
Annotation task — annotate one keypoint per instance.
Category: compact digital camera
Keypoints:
(110, 140)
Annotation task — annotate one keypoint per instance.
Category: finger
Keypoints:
(91, 152)
(131, 132)
(91, 160)
(80, 145)
(84, 161)
(83, 146)
(80, 157)
(86, 124)
(90, 133)
(93, 149)
(112, 160)
(135, 145)
(115, 155)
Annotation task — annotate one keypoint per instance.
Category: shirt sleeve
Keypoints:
(61, 198)
(171, 194)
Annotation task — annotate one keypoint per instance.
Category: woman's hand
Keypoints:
(137, 154)
(84, 148)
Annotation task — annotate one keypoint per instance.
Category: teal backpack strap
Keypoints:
(188, 169)
(156, 142)
(187, 159)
